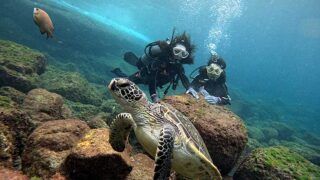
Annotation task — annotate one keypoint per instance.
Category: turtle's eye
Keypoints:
(124, 85)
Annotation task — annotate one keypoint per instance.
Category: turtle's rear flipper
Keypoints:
(131, 58)
(164, 153)
(119, 131)
(118, 72)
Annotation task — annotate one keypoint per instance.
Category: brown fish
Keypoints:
(42, 19)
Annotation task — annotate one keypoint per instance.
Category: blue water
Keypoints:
(272, 48)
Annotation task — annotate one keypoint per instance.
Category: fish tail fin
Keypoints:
(55, 39)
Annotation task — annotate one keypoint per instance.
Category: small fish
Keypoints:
(42, 19)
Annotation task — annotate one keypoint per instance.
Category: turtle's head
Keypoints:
(127, 93)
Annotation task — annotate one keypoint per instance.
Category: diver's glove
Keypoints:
(192, 92)
(155, 98)
(210, 99)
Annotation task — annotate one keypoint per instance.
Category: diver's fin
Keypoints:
(131, 58)
(118, 72)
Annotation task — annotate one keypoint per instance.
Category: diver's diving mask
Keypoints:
(214, 71)
(180, 52)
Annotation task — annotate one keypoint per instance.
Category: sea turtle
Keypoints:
(165, 133)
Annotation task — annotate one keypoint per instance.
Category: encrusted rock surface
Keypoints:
(43, 105)
(13, 94)
(276, 163)
(20, 66)
(9, 174)
(94, 158)
(50, 144)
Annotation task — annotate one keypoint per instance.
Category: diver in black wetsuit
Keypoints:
(161, 63)
(210, 82)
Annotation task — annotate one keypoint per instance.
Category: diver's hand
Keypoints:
(203, 91)
(192, 92)
(212, 99)
(155, 98)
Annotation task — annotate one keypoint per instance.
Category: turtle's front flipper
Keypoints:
(164, 153)
(119, 131)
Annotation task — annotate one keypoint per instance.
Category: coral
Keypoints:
(276, 163)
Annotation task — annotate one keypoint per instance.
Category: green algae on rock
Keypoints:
(82, 111)
(70, 85)
(12, 93)
(6, 102)
(20, 66)
(276, 163)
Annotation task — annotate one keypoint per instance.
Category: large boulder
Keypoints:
(94, 158)
(20, 66)
(43, 106)
(222, 131)
(276, 163)
(70, 85)
(49, 145)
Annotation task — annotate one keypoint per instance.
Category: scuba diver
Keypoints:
(210, 82)
(161, 63)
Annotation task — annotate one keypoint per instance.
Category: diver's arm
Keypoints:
(184, 80)
(197, 82)
(153, 90)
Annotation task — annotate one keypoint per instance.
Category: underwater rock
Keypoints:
(94, 158)
(143, 167)
(270, 133)
(98, 121)
(222, 131)
(49, 145)
(255, 133)
(13, 94)
(19, 125)
(6, 147)
(311, 153)
(276, 163)
(20, 66)
(9, 174)
(70, 85)
(285, 132)
(6, 102)
(83, 111)
(43, 106)
(111, 108)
